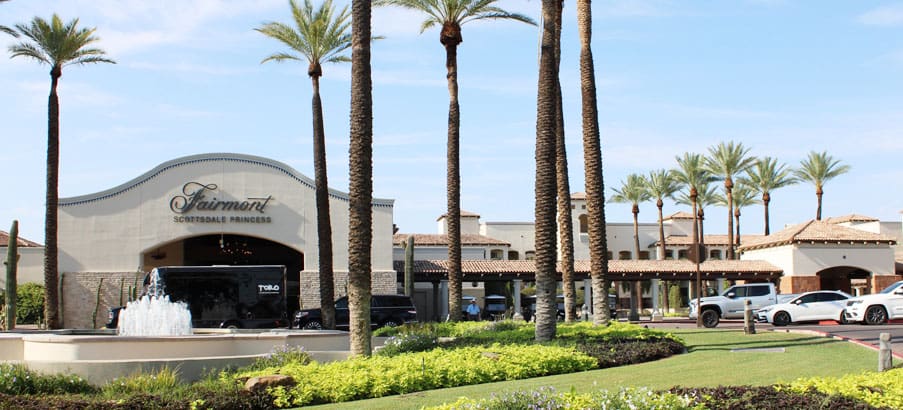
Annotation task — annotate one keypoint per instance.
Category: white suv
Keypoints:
(878, 308)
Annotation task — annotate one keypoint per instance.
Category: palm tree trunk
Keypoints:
(637, 285)
(545, 186)
(592, 165)
(453, 190)
(701, 220)
(662, 248)
(766, 199)
(696, 248)
(51, 264)
(324, 223)
(565, 223)
(737, 217)
(729, 188)
(360, 181)
(818, 194)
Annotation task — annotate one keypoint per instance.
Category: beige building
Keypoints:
(210, 209)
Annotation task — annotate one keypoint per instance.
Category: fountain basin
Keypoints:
(99, 358)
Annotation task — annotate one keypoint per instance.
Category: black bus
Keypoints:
(247, 297)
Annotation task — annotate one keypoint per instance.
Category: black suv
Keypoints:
(385, 310)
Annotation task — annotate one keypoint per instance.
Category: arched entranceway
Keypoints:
(229, 249)
(845, 278)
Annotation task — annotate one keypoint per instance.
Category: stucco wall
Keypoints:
(30, 268)
(808, 260)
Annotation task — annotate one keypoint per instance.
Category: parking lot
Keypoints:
(866, 334)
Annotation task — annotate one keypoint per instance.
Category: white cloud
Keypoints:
(883, 16)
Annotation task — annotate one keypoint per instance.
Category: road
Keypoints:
(866, 334)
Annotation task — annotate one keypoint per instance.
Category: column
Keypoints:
(587, 298)
(443, 300)
(516, 284)
(656, 312)
(720, 284)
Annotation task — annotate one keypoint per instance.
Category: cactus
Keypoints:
(12, 262)
(96, 305)
(121, 288)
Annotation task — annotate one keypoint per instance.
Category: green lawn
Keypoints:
(709, 362)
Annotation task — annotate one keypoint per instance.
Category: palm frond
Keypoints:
(318, 35)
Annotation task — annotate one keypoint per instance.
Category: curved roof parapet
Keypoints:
(211, 157)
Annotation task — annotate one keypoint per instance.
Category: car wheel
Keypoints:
(710, 318)
(875, 315)
(843, 318)
(313, 325)
(781, 319)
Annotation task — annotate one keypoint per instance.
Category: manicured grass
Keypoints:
(710, 362)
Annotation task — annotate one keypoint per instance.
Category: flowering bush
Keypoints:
(406, 343)
(16, 379)
(281, 356)
(548, 399)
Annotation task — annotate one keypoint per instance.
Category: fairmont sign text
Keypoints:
(198, 204)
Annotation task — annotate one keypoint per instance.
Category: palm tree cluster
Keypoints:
(747, 180)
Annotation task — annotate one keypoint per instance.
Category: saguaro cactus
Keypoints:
(12, 262)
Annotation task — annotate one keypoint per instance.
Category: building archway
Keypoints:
(231, 249)
(848, 279)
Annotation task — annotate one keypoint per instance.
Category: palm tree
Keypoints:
(744, 195)
(56, 44)
(318, 37)
(360, 181)
(660, 184)
(692, 174)
(726, 161)
(765, 176)
(565, 226)
(592, 166)
(450, 15)
(546, 184)
(817, 169)
(7, 30)
(633, 191)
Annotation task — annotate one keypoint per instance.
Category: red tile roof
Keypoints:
(721, 240)
(850, 218)
(816, 232)
(421, 239)
(464, 214)
(680, 215)
(22, 243)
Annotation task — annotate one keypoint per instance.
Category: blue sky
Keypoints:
(782, 77)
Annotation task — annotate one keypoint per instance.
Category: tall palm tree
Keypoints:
(317, 37)
(744, 195)
(360, 181)
(692, 174)
(546, 184)
(592, 167)
(565, 225)
(660, 184)
(56, 44)
(817, 169)
(765, 176)
(450, 15)
(7, 30)
(725, 161)
(633, 191)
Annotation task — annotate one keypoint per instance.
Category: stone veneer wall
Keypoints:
(79, 296)
(883, 281)
(381, 283)
(800, 284)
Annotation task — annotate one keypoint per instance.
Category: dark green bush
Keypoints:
(30, 303)
(767, 398)
(16, 379)
(621, 352)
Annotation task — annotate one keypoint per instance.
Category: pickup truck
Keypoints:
(878, 308)
(732, 303)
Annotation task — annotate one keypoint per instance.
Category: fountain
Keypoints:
(154, 314)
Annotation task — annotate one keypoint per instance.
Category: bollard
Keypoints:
(885, 357)
(749, 324)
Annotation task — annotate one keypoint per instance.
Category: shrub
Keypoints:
(16, 379)
(408, 343)
(548, 398)
(30, 303)
(620, 352)
(767, 398)
(163, 382)
(378, 376)
(884, 389)
(281, 356)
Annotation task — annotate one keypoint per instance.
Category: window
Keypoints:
(808, 298)
(530, 255)
(513, 256)
(682, 254)
(644, 255)
(584, 223)
(624, 255)
(715, 254)
(608, 255)
(761, 290)
(496, 254)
